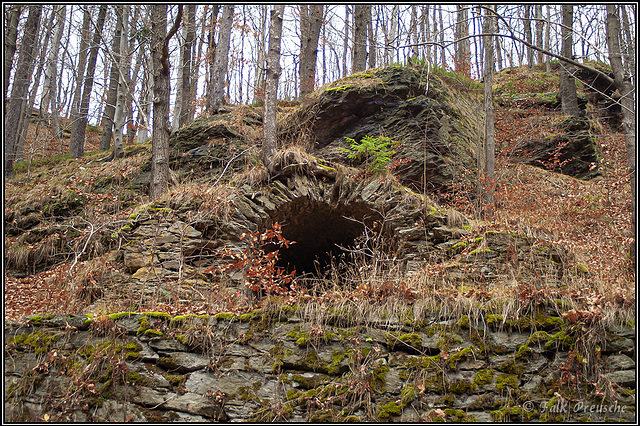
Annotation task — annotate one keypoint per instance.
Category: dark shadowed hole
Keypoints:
(319, 230)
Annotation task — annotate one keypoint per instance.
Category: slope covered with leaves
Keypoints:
(63, 222)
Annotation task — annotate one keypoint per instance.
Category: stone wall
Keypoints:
(317, 363)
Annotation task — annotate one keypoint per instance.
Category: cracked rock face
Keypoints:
(328, 220)
(434, 122)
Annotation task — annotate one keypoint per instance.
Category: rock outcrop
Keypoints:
(435, 122)
(572, 151)
(292, 364)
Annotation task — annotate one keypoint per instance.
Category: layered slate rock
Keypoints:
(572, 151)
(320, 215)
(256, 366)
(435, 122)
(328, 220)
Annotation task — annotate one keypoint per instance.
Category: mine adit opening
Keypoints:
(321, 231)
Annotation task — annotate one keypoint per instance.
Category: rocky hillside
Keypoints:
(333, 230)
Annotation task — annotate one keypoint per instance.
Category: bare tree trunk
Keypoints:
(568, 93)
(463, 52)
(489, 121)
(413, 28)
(425, 30)
(498, 47)
(20, 86)
(443, 58)
(195, 68)
(269, 140)
(118, 120)
(133, 81)
(526, 21)
(211, 56)
(359, 50)
(371, 34)
(49, 87)
(76, 145)
(222, 60)
(112, 94)
(27, 107)
(346, 40)
(188, 95)
(161, 130)
(10, 44)
(130, 79)
(547, 40)
(393, 34)
(258, 93)
(477, 44)
(626, 90)
(146, 98)
(82, 63)
(539, 30)
(630, 55)
(309, 34)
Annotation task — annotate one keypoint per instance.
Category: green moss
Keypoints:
(511, 366)
(459, 246)
(462, 387)
(395, 339)
(120, 315)
(506, 380)
(457, 415)
(538, 337)
(482, 377)
(322, 416)
(464, 322)
(408, 394)
(464, 354)
(510, 414)
(338, 357)
(293, 394)
(151, 332)
(524, 353)
(379, 378)
(548, 322)
(133, 377)
(388, 410)
(40, 341)
(175, 379)
(560, 340)
(162, 315)
(434, 383)
(481, 251)
(225, 316)
(339, 88)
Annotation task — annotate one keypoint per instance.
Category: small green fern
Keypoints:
(374, 151)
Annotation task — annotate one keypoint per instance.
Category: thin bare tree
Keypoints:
(161, 89)
(310, 23)
(626, 90)
(20, 86)
(112, 93)
(79, 127)
(359, 50)
(216, 89)
(269, 138)
(568, 94)
(11, 37)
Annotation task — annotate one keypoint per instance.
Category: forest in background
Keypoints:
(76, 49)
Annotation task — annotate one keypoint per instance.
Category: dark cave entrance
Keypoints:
(319, 230)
